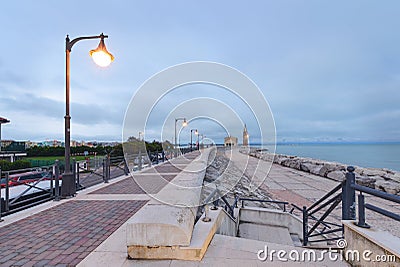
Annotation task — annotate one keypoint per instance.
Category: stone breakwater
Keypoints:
(382, 179)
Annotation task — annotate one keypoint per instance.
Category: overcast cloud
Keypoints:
(330, 70)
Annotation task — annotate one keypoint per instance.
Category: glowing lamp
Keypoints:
(100, 55)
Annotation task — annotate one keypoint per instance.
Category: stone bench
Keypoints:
(167, 221)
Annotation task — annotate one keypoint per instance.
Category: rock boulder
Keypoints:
(388, 186)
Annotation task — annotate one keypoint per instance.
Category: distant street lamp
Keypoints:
(102, 58)
(184, 124)
(191, 137)
(2, 121)
(198, 141)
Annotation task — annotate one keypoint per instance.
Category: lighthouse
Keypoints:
(245, 136)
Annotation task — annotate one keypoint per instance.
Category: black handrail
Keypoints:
(325, 196)
(377, 193)
(349, 194)
(284, 203)
(10, 204)
(329, 199)
(218, 195)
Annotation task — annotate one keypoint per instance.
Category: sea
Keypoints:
(373, 155)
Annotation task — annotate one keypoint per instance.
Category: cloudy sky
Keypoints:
(330, 70)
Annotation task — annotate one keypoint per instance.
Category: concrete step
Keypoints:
(234, 251)
(296, 240)
(267, 233)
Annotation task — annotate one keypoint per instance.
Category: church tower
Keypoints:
(245, 136)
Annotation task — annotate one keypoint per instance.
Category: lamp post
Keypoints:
(198, 141)
(102, 58)
(184, 124)
(191, 134)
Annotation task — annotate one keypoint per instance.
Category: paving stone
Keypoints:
(139, 184)
(100, 218)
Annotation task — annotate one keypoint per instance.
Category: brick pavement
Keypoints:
(166, 168)
(150, 184)
(90, 179)
(65, 234)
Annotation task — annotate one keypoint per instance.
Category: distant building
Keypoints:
(29, 144)
(245, 136)
(2, 121)
(50, 143)
(6, 143)
(230, 141)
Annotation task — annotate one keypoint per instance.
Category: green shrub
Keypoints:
(19, 164)
(5, 165)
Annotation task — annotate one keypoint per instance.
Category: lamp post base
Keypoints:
(68, 187)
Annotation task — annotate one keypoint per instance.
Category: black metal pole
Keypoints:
(191, 142)
(74, 172)
(51, 184)
(78, 182)
(348, 196)
(140, 160)
(361, 212)
(0, 190)
(104, 170)
(108, 167)
(57, 181)
(305, 226)
(7, 200)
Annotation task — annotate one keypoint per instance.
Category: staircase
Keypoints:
(260, 234)
(272, 226)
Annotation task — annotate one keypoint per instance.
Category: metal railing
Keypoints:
(86, 173)
(344, 192)
(316, 224)
(214, 197)
(349, 195)
(34, 193)
(283, 203)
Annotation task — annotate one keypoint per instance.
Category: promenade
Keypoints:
(90, 229)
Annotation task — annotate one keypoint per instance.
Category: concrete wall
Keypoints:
(369, 247)
(227, 226)
(271, 217)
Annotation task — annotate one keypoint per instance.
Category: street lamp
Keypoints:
(184, 124)
(191, 142)
(102, 58)
(198, 141)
